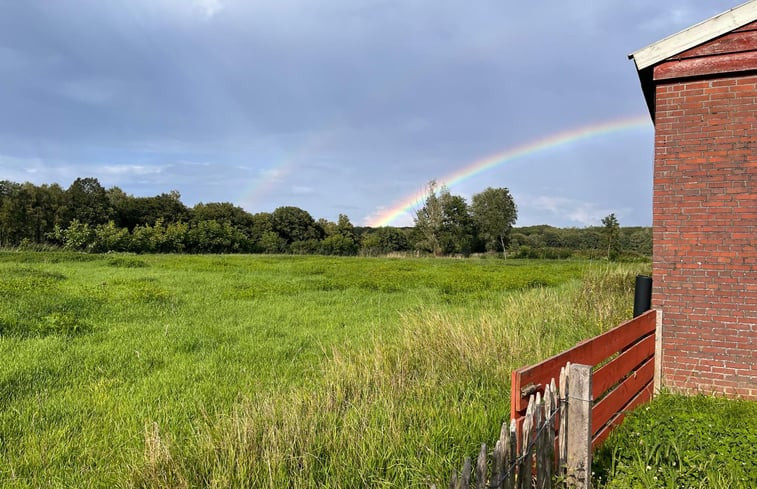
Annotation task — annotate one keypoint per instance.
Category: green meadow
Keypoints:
(274, 371)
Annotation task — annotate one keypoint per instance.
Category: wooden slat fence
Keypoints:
(624, 379)
(535, 458)
(552, 431)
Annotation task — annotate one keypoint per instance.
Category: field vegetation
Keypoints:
(680, 441)
(274, 371)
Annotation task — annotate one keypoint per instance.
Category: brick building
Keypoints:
(701, 89)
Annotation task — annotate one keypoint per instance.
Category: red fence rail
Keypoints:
(624, 379)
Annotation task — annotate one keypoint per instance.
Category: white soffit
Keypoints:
(695, 35)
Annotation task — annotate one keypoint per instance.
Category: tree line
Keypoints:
(88, 217)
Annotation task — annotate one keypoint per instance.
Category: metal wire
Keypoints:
(529, 447)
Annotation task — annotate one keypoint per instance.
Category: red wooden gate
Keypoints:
(623, 376)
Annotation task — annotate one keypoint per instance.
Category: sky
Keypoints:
(339, 106)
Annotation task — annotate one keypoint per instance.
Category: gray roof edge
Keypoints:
(695, 35)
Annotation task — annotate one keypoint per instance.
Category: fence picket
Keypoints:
(532, 458)
(500, 459)
(481, 468)
(551, 429)
(465, 476)
(512, 454)
(526, 460)
(453, 480)
(538, 441)
(543, 442)
(563, 441)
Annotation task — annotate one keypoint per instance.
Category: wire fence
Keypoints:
(536, 455)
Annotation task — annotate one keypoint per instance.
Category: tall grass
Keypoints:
(401, 412)
(262, 371)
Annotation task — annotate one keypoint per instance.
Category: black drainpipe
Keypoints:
(642, 298)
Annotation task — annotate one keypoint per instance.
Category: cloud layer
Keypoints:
(335, 106)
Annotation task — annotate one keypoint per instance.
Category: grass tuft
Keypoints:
(125, 261)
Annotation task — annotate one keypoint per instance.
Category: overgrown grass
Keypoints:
(682, 442)
(242, 371)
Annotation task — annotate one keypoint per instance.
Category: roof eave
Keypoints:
(646, 58)
(695, 35)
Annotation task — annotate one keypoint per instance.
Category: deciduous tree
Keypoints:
(612, 226)
(87, 202)
(444, 222)
(294, 224)
(429, 220)
(494, 212)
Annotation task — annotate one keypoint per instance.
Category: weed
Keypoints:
(678, 441)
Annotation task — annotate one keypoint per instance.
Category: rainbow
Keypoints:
(415, 200)
(277, 172)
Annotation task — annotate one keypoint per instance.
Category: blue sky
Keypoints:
(341, 106)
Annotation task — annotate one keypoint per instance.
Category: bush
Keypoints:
(77, 237)
(338, 244)
(174, 238)
(543, 253)
(306, 247)
(144, 239)
(214, 237)
(384, 240)
(110, 238)
(270, 242)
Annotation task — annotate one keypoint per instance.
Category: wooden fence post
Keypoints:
(658, 353)
(562, 444)
(579, 427)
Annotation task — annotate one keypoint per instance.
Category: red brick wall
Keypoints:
(705, 233)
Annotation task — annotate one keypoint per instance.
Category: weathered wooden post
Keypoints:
(579, 427)
(526, 461)
(513, 451)
(562, 444)
(481, 468)
(465, 477)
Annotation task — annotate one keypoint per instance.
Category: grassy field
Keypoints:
(260, 371)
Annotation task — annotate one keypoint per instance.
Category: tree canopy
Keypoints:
(612, 228)
(88, 217)
(494, 213)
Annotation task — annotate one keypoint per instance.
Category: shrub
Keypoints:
(215, 237)
(384, 240)
(110, 238)
(143, 239)
(306, 247)
(338, 244)
(174, 238)
(271, 242)
(76, 237)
